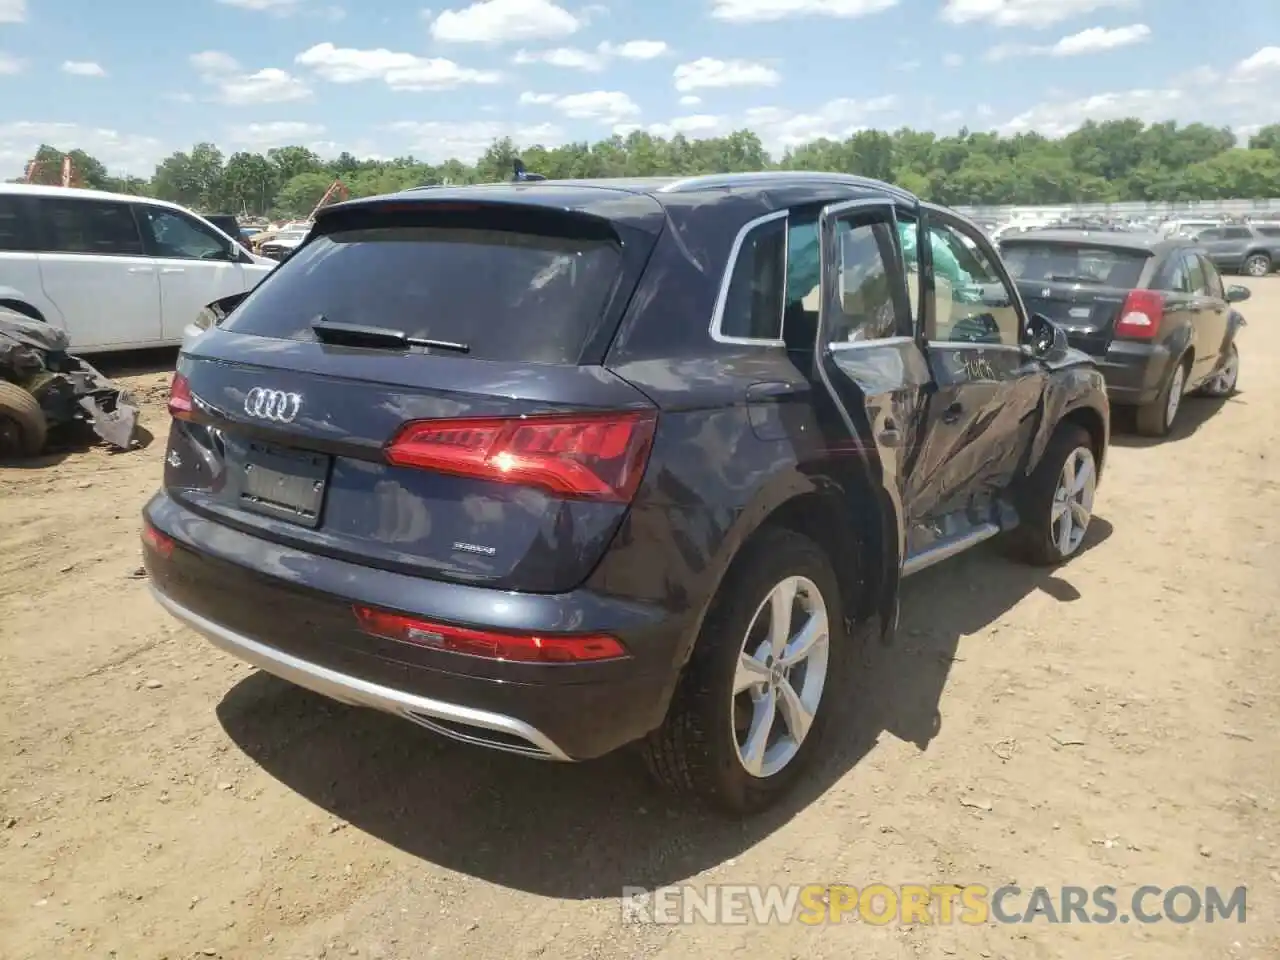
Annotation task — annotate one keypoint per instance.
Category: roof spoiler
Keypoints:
(521, 175)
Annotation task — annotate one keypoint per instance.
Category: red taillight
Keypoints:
(179, 398)
(524, 648)
(156, 540)
(588, 456)
(1141, 315)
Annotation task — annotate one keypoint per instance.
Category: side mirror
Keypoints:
(1044, 337)
(1237, 293)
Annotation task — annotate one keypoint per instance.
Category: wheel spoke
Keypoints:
(794, 713)
(751, 672)
(762, 719)
(781, 604)
(812, 633)
(1059, 508)
(1064, 531)
(1084, 476)
(1079, 516)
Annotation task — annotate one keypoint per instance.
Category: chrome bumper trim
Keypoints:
(424, 711)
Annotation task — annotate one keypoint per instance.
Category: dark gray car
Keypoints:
(1242, 248)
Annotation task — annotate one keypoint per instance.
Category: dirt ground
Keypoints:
(1111, 722)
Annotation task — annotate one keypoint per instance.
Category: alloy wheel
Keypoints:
(1257, 266)
(780, 676)
(1073, 500)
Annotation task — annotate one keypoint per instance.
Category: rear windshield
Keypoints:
(507, 295)
(1060, 262)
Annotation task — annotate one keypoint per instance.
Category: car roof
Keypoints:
(1151, 244)
(42, 190)
(638, 199)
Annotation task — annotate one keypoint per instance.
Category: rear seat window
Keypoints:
(508, 295)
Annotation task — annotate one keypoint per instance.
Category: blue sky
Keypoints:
(132, 80)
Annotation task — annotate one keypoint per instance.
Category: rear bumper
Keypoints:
(289, 613)
(1135, 372)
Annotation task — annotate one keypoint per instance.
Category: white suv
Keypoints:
(115, 272)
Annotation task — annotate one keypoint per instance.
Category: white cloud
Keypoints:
(9, 65)
(953, 60)
(763, 11)
(568, 57)
(689, 100)
(1241, 97)
(606, 106)
(214, 61)
(698, 125)
(13, 11)
(239, 88)
(505, 21)
(1092, 40)
(121, 153)
(708, 72)
(436, 142)
(83, 68)
(1024, 13)
(399, 71)
(635, 49)
(1096, 39)
(1266, 60)
(576, 59)
(269, 6)
(573, 58)
(271, 85)
(280, 133)
(779, 128)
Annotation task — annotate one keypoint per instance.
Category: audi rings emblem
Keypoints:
(275, 405)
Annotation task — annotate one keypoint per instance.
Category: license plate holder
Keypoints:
(285, 484)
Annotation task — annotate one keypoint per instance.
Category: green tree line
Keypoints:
(1098, 163)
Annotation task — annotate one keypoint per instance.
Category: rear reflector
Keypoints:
(1140, 315)
(156, 540)
(523, 648)
(180, 398)
(578, 456)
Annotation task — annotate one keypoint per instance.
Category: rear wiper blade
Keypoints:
(1072, 278)
(359, 335)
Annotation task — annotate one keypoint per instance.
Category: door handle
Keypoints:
(952, 413)
(765, 392)
(142, 269)
(174, 270)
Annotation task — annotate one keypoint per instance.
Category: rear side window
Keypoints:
(754, 300)
(1268, 231)
(90, 226)
(507, 295)
(1237, 233)
(1065, 263)
(16, 229)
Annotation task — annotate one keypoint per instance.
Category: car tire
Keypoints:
(1223, 383)
(23, 428)
(1156, 419)
(702, 749)
(1257, 265)
(1055, 504)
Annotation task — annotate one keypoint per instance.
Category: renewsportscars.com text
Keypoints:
(973, 904)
